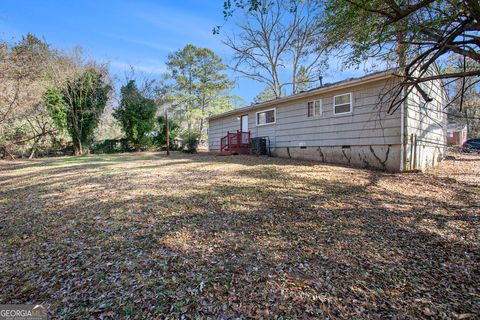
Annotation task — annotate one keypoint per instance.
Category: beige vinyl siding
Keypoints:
(367, 124)
(219, 128)
(426, 124)
(367, 136)
(267, 130)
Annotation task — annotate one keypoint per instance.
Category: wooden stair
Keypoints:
(235, 143)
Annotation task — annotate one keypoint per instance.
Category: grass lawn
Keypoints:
(145, 236)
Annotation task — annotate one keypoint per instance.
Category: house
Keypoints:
(456, 134)
(345, 122)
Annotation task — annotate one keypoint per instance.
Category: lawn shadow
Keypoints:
(255, 241)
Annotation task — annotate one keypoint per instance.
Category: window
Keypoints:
(265, 117)
(342, 104)
(450, 134)
(314, 108)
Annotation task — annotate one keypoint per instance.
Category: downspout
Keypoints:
(403, 155)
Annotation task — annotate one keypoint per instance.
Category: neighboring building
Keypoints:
(347, 122)
(456, 134)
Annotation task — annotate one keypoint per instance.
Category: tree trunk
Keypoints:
(167, 132)
(294, 76)
(77, 147)
(32, 153)
(401, 49)
(201, 119)
(294, 84)
(6, 153)
(201, 126)
(34, 148)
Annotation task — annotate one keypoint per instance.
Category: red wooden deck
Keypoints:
(235, 143)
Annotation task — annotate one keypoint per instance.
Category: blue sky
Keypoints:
(130, 33)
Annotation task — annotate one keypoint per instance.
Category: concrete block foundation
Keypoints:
(383, 157)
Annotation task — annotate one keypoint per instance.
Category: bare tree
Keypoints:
(305, 50)
(279, 35)
(464, 110)
(421, 33)
(25, 72)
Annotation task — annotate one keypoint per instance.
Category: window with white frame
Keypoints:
(266, 117)
(314, 108)
(450, 134)
(342, 103)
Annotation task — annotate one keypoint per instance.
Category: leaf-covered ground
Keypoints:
(143, 236)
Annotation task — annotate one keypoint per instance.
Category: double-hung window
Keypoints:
(342, 104)
(314, 108)
(266, 117)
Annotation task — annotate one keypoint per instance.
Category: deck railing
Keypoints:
(235, 140)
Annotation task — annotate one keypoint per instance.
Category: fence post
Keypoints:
(228, 141)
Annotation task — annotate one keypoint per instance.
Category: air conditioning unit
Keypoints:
(260, 146)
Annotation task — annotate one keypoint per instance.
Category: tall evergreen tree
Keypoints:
(136, 115)
(199, 86)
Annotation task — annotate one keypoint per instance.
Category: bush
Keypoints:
(112, 146)
(190, 140)
(106, 146)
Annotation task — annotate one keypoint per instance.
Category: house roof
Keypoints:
(323, 89)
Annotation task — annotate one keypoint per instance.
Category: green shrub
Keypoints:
(106, 146)
(112, 146)
(190, 140)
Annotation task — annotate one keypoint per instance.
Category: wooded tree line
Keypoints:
(53, 102)
(27, 69)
